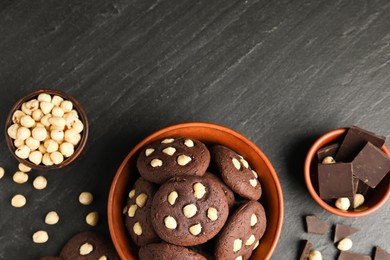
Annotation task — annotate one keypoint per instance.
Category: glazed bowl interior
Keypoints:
(127, 173)
(79, 149)
(373, 200)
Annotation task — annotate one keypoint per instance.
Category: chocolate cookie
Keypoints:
(137, 218)
(50, 258)
(242, 232)
(165, 251)
(236, 172)
(88, 245)
(189, 210)
(171, 157)
(228, 192)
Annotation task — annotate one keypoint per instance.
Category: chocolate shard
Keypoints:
(329, 150)
(361, 187)
(353, 256)
(335, 180)
(381, 254)
(306, 250)
(343, 231)
(316, 226)
(371, 165)
(354, 141)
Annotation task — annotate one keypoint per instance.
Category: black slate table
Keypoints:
(280, 72)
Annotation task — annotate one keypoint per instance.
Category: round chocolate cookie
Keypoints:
(88, 245)
(242, 232)
(49, 258)
(165, 251)
(137, 216)
(171, 157)
(228, 192)
(236, 172)
(188, 211)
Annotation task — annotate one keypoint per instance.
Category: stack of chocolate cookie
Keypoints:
(194, 201)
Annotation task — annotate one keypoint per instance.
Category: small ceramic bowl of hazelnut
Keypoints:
(335, 154)
(46, 129)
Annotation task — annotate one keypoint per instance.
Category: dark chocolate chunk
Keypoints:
(354, 141)
(343, 231)
(381, 254)
(335, 180)
(316, 226)
(371, 165)
(329, 150)
(306, 250)
(353, 256)
(361, 187)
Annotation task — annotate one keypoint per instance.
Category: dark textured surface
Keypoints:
(280, 72)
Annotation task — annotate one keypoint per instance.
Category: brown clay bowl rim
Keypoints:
(84, 135)
(325, 139)
(114, 217)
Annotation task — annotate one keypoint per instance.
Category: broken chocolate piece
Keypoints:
(335, 180)
(361, 187)
(354, 141)
(353, 256)
(371, 165)
(381, 254)
(343, 231)
(306, 250)
(316, 226)
(329, 150)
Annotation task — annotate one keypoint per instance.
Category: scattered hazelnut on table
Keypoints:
(343, 203)
(358, 200)
(23, 168)
(2, 172)
(85, 198)
(328, 160)
(52, 218)
(18, 201)
(345, 244)
(315, 255)
(40, 237)
(20, 177)
(92, 218)
(40, 183)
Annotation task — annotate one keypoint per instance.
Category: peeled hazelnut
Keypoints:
(23, 133)
(24, 168)
(56, 100)
(315, 255)
(67, 149)
(345, 244)
(45, 120)
(25, 109)
(23, 152)
(31, 106)
(78, 126)
(170, 222)
(40, 237)
(254, 174)
(40, 183)
(44, 97)
(20, 177)
(199, 190)
(46, 160)
(57, 121)
(195, 229)
(92, 218)
(86, 198)
(27, 121)
(50, 145)
(57, 135)
(57, 112)
(35, 157)
(18, 143)
(72, 136)
(86, 249)
(32, 143)
(2, 172)
(12, 131)
(39, 133)
(237, 244)
(52, 218)
(18, 201)
(56, 157)
(42, 149)
(103, 257)
(37, 115)
(328, 160)
(46, 107)
(256, 245)
(66, 105)
(358, 200)
(17, 116)
(343, 203)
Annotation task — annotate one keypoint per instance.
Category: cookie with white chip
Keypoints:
(190, 210)
(236, 172)
(88, 245)
(171, 157)
(242, 232)
(165, 251)
(228, 192)
(137, 217)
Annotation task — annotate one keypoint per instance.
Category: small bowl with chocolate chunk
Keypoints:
(46, 129)
(183, 145)
(347, 172)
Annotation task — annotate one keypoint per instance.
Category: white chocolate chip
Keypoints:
(244, 162)
(141, 200)
(132, 193)
(39, 133)
(35, 157)
(156, 163)
(18, 114)
(183, 160)
(52, 218)
(358, 200)
(92, 218)
(172, 197)
(137, 229)
(328, 160)
(253, 182)
(236, 163)
(195, 229)
(189, 210)
(46, 107)
(189, 143)
(86, 249)
(250, 240)
(345, 244)
(23, 152)
(169, 150)
(343, 203)
(50, 145)
(256, 245)
(12, 131)
(85, 198)
(253, 219)
(237, 244)
(212, 213)
(27, 121)
(67, 149)
(44, 97)
(24, 168)
(315, 255)
(238, 258)
(40, 237)
(199, 190)
(40, 183)
(170, 222)
(18, 201)
(254, 174)
(149, 151)
(2, 172)
(20, 177)
(132, 209)
(56, 157)
(168, 141)
(56, 100)
(23, 133)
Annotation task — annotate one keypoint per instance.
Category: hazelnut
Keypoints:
(103, 257)
(57, 135)
(86, 249)
(39, 133)
(18, 201)
(315, 255)
(32, 143)
(255, 174)
(56, 100)
(57, 112)
(31, 106)
(40, 183)
(27, 121)
(17, 115)
(45, 120)
(37, 115)
(156, 163)
(52, 218)
(24, 168)
(20, 177)
(244, 162)
(78, 126)
(253, 182)
(46, 107)
(40, 237)
(92, 218)
(66, 105)
(57, 157)
(23, 133)
(44, 97)
(50, 145)
(345, 244)
(2, 172)
(358, 200)
(256, 245)
(328, 160)
(167, 141)
(85, 198)
(132, 193)
(67, 149)
(57, 121)
(46, 160)
(343, 203)
(23, 152)
(35, 157)
(18, 143)
(12, 131)
(72, 136)
(195, 229)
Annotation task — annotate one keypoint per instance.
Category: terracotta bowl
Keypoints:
(78, 149)
(373, 201)
(127, 173)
